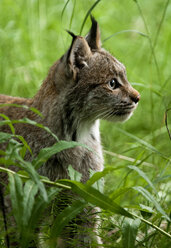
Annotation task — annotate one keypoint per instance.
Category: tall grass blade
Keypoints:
(8, 122)
(72, 15)
(98, 175)
(87, 14)
(34, 123)
(142, 142)
(63, 10)
(166, 124)
(129, 232)
(30, 190)
(143, 175)
(38, 210)
(35, 177)
(40, 206)
(12, 155)
(26, 121)
(149, 38)
(25, 176)
(153, 226)
(24, 142)
(4, 137)
(161, 22)
(115, 194)
(124, 31)
(130, 159)
(64, 217)
(48, 152)
(151, 199)
(94, 197)
(36, 111)
(16, 196)
(28, 167)
(4, 218)
(152, 88)
(73, 174)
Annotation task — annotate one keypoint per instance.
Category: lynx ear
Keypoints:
(78, 53)
(93, 37)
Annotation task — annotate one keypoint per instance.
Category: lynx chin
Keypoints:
(85, 85)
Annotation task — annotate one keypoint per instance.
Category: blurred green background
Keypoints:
(33, 36)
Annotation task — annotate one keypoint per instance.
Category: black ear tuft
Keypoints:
(94, 25)
(93, 37)
(73, 39)
(72, 34)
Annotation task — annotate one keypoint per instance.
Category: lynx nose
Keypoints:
(135, 98)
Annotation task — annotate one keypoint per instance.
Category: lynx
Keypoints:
(86, 84)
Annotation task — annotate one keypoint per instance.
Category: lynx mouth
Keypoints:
(126, 111)
(121, 117)
(123, 114)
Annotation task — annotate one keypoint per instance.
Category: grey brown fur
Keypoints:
(77, 92)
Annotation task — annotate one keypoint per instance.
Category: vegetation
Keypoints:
(136, 200)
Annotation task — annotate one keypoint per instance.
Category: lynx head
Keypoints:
(92, 82)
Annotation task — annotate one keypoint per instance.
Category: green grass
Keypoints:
(32, 37)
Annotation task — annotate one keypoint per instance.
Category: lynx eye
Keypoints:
(113, 84)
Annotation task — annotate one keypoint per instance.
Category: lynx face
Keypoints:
(98, 87)
(110, 95)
